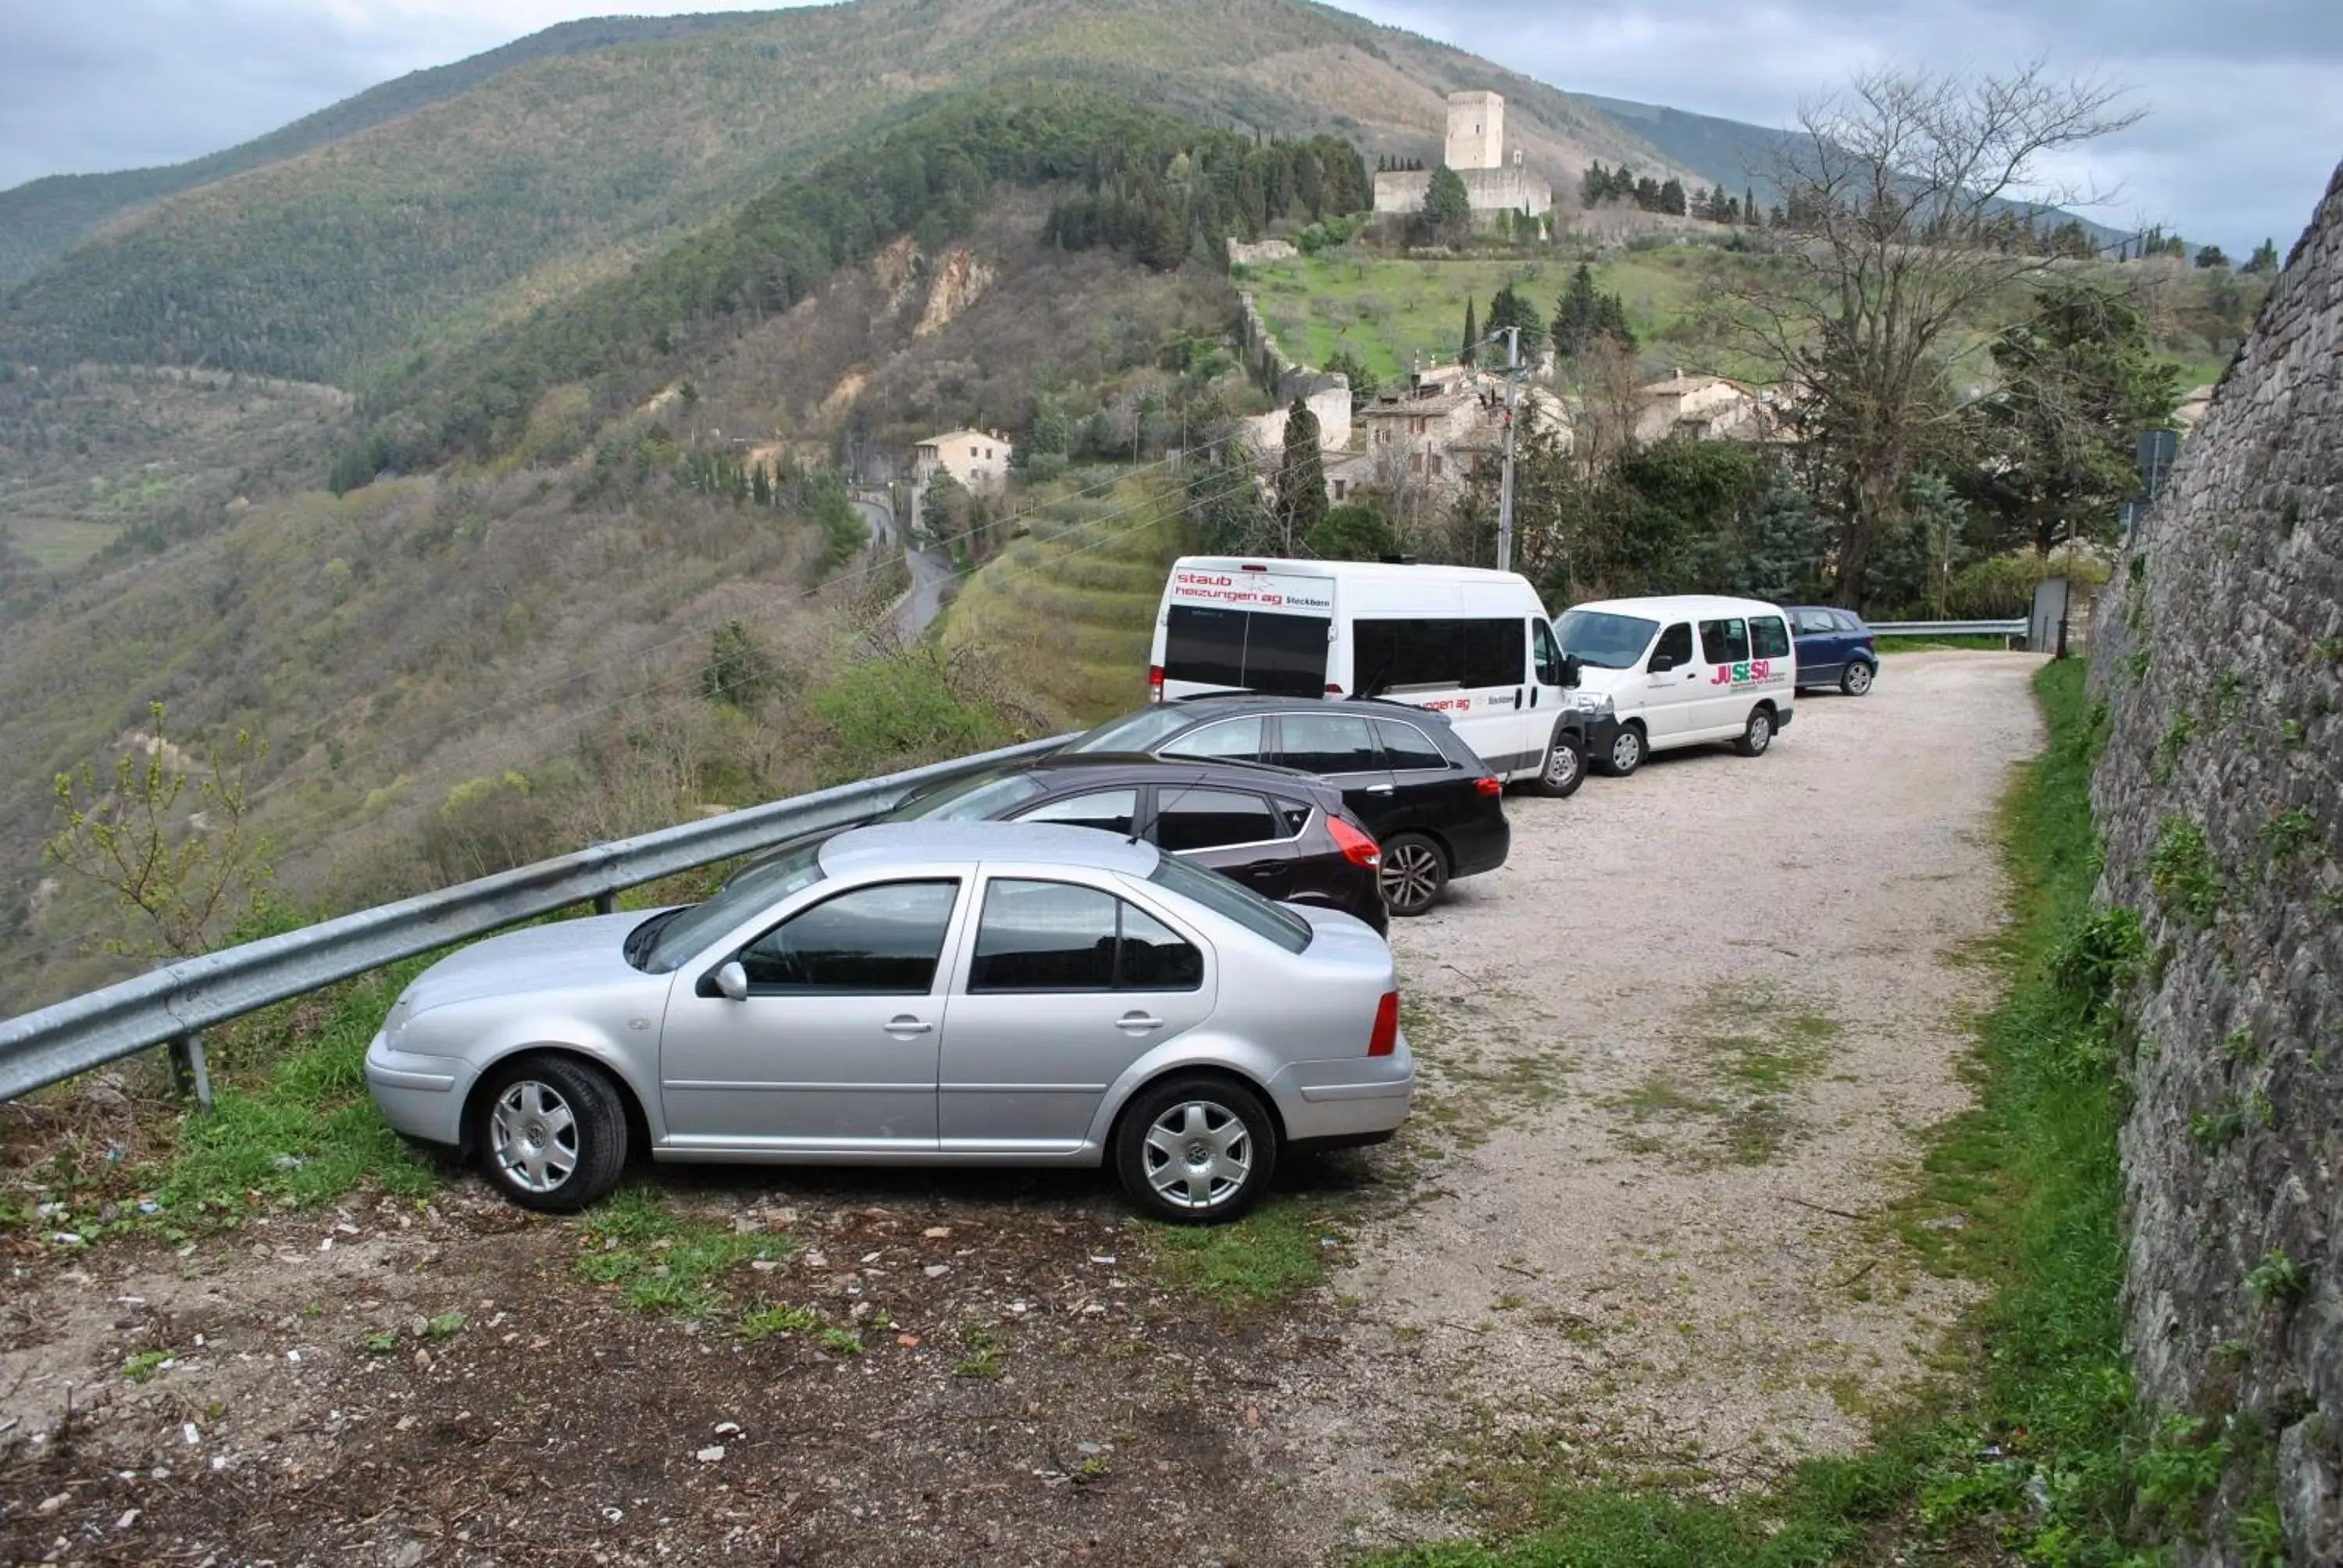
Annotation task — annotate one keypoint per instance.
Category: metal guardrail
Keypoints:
(174, 1004)
(2012, 628)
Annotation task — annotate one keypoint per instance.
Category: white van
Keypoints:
(1469, 643)
(1681, 670)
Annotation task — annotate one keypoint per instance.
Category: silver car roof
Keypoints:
(1036, 843)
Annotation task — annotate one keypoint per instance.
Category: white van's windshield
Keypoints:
(1604, 641)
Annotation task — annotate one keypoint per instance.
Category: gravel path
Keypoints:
(1682, 1096)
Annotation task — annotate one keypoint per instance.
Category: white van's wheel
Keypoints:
(1626, 752)
(1758, 735)
(1565, 766)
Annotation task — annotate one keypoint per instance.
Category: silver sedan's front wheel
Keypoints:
(552, 1132)
(1195, 1148)
(533, 1136)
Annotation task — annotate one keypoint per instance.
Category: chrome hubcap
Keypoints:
(1626, 752)
(1411, 876)
(1199, 1154)
(1561, 765)
(1761, 733)
(534, 1134)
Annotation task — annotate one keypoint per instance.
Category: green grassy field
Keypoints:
(1393, 312)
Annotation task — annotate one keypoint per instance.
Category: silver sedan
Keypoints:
(914, 993)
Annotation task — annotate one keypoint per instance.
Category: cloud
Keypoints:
(2245, 125)
(129, 82)
(2244, 121)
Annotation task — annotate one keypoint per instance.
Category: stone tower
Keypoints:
(1477, 131)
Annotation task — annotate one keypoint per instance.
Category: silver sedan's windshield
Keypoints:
(1134, 732)
(688, 930)
(1609, 641)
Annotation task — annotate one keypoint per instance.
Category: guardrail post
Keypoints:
(606, 903)
(190, 1075)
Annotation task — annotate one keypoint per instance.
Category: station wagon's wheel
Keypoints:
(1415, 871)
(552, 1133)
(1757, 734)
(1565, 766)
(1196, 1149)
(1855, 679)
(1626, 752)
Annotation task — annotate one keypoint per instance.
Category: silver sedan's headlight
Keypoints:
(393, 1023)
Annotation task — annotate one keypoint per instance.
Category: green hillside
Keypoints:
(42, 219)
(1070, 605)
(1391, 313)
(336, 264)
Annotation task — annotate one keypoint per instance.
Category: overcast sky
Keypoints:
(2246, 97)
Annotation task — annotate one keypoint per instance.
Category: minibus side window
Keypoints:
(1724, 641)
(1675, 647)
(1768, 637)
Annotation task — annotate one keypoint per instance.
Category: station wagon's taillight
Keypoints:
(1385, 1040)
(1356, 847)
(1489, 784)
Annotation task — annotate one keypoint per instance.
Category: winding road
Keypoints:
(931, 573)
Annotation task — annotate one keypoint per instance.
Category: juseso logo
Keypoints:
(1751, 672)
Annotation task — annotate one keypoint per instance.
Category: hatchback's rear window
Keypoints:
(1246, 650)
(1226, 898)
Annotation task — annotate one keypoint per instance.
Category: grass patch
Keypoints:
(1938, 644)
(1746, 1054)
(1285, 1247)
(2038, 1451)
(292, 1123)
(663, 1263)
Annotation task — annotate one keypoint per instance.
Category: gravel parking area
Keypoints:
(1689, 1037)
(1680, 1053)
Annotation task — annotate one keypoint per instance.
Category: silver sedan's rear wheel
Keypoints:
(552, 1133)
(1197, 1150)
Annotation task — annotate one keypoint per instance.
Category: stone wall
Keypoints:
(2218, 650)
(1513, 188)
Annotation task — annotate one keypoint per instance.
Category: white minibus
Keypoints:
(1469, 643)
(1680, 671)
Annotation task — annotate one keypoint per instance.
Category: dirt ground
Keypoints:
(1679, 1049)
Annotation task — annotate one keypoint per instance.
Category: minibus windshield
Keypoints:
(1604, 641)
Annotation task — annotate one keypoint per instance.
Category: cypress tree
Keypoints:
(1470, 354)
(1301, 477)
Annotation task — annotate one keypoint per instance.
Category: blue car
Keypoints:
(1835, 648)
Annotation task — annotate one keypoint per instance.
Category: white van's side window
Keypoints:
(1724, 641)
(1548, 654)
(1768, 637)
(1674, 650)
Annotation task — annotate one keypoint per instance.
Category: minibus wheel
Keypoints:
(1626, 752)
(1759, 734)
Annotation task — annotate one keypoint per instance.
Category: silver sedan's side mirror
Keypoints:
(733, 981)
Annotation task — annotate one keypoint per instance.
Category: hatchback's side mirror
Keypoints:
(731, 981)
(1573, 669)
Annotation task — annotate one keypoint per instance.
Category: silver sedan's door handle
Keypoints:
(1379, 788)
(1138, 1023)
(906, 1026)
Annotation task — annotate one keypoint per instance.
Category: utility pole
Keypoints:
(1505, 486)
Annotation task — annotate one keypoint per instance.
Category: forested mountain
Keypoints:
(421, 231)
(42, 219)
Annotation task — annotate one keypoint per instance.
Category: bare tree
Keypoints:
(1904, 196)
